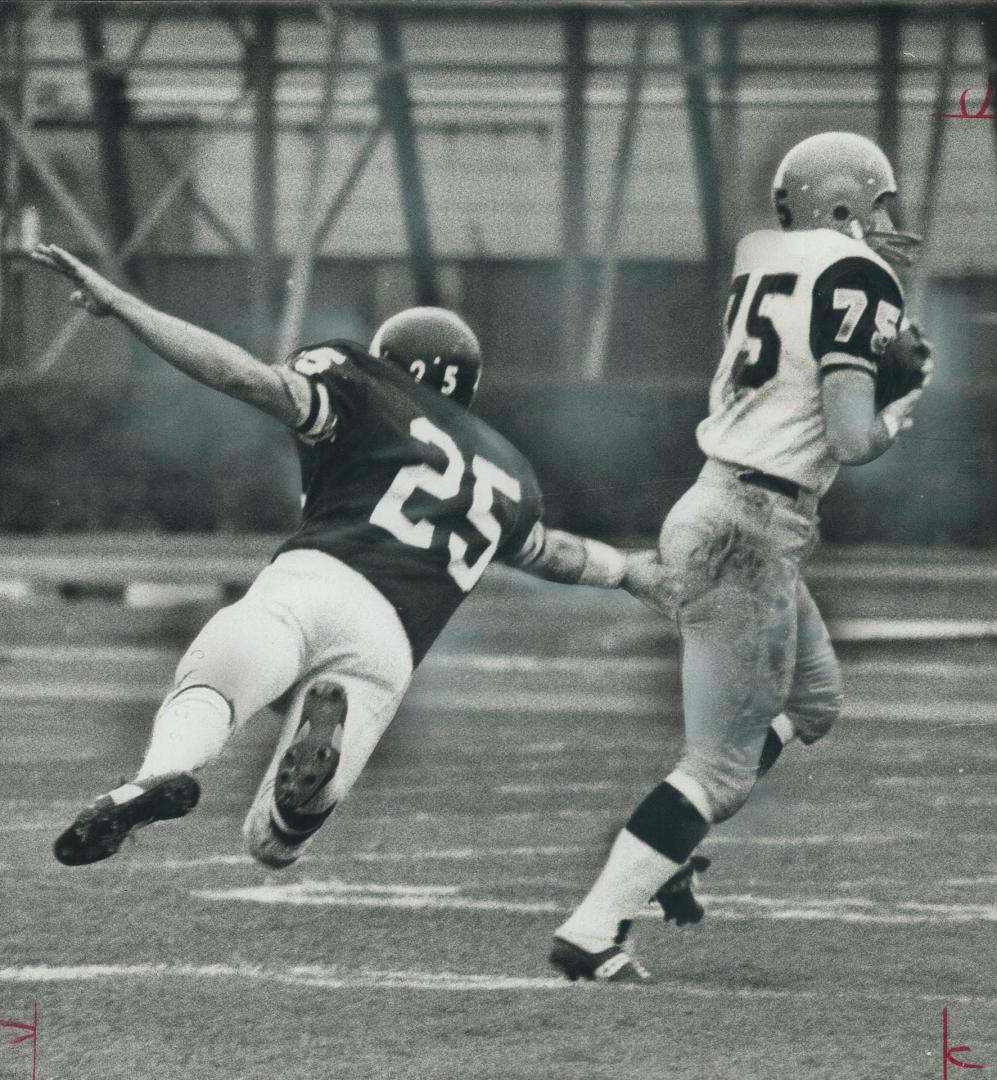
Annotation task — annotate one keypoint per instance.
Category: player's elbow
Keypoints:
(851, 446)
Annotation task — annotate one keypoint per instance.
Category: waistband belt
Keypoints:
(769, 482)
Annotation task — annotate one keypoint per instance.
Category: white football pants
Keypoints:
(307, 616)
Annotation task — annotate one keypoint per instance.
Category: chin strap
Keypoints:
(895, 247)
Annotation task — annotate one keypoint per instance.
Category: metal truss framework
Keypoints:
(255, 28)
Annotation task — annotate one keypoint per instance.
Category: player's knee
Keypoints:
(814, 717)
(722, 789)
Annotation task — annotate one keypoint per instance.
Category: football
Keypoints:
(903, 365)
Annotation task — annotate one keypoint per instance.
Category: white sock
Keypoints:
(633, 873)
(784, 728)
(190, 729)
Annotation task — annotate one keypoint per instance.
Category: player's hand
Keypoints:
(93, 291)
(646, 579)
(899, 412)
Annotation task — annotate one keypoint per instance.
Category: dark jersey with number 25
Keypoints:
(405, 486)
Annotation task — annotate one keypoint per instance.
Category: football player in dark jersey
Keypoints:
(407, 499)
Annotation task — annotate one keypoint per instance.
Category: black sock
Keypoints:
(770, 752)
(666, 821)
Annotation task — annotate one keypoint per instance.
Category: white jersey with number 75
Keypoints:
(801, 304)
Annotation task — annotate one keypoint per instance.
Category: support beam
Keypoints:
(573, 187)
(932, 167)
(262, 72)
(989, 31)
(12, 63)
(604, 303)
(396, 114)
(305, 249)
(108, 92)
(168, 195)
(35, 159)
(327, 213)
(729, 156)
(209, 215)
(888, 31)
(705, 158)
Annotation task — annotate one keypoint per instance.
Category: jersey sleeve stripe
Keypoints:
(853, 362)
(313, 408)
(319, 413)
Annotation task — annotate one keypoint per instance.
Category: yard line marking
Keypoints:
(336, 893)
(292, 895)
(493, 662)
(337, 978)
(910, 629)
(975, 712)
(550, 789)
(105, 654)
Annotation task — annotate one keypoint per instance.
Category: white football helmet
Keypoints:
(842, 181)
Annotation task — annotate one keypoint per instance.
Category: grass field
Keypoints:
(848, 903)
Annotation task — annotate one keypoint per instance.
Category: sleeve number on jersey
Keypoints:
(854, 302)
(758, 359)
(488, 478)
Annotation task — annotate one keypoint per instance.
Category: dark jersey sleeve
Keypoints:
(856, 310)
(337, 387)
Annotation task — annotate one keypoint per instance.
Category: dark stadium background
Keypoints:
(572, 178)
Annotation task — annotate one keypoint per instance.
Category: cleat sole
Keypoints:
(310, 763)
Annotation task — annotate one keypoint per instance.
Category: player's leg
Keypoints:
(815, 697)
(335, 719)
(244, 657)
(737, 618)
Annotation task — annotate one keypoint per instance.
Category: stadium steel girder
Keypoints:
(888, 30)
(396, 113)
(183, 177)
(310, 217)
(704, 155)
(729, 129)
(573, 187)
(936, 142)
(989, 31)
(605, 292)
(261, 71)
(710, 83)
(109, 95)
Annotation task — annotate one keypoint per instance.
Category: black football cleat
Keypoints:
(612, 965)
(310, 762)
(99, 831)
(676, 897)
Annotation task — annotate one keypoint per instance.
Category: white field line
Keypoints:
(734, 907)
(337, 978)
(969, 713)
(114, 656)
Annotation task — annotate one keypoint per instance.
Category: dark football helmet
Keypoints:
(435, 347)
(842, 181)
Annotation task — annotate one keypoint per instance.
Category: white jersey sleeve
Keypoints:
(801, 304)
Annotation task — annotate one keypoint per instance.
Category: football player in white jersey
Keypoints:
(813, 308)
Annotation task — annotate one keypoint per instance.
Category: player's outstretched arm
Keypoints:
(856, 433)
(561, 556)
(196, 352)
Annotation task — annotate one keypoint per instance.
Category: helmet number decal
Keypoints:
(757, 360)
(488, 478)
(449, 383)
(417, 369)
(853, 302)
